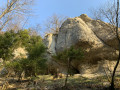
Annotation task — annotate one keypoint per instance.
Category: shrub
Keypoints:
(35, 63)
(72, 53)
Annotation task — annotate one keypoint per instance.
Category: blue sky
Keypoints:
(71, 8)
(43, 9)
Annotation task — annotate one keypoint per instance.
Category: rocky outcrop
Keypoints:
(75, 30)
(50, 41)
(96, 37)
(20, 53)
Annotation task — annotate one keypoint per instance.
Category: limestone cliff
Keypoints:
(50, 42)
(95, 36)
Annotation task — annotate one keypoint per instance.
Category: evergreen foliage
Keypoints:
(35, 63)
(72, 53)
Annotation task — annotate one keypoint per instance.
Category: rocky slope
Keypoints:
(95, 36)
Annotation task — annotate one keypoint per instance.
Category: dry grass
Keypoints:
(46, 82)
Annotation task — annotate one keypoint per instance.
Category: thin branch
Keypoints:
(8, 8)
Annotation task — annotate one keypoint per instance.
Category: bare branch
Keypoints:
(8, 8)
(13, 10)
(53, 23)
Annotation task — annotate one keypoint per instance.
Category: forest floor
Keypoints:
(46, 82)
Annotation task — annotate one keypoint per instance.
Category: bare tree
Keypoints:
(12, 9)
(118, 38)
(106, 12)
(111, 14)
(53, 23)
(35, 30)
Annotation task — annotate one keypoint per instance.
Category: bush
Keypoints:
(35, 63)
(72, 53)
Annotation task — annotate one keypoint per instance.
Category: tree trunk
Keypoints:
(117, 34)
(68, 67)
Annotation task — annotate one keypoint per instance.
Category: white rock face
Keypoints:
(102, 67)
(95, 36)
(104, 31)
(20, 53)
(76, 30)
(50, 42)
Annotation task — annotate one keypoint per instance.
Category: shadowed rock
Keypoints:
(96, 37)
